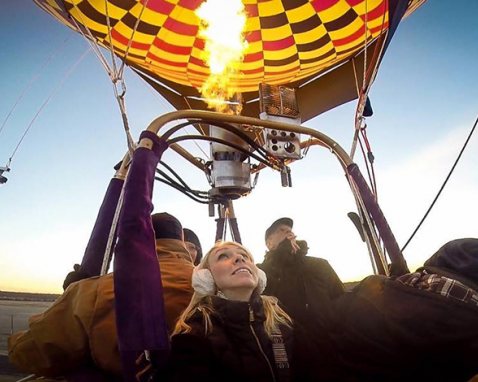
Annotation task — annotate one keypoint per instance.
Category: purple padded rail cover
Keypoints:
(399, 265)
(95, 250)
(139, 303)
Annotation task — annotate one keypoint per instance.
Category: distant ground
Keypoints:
(7, 371)
(15, 309)
(22, 296)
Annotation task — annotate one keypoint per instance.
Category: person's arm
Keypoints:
(56, 341)
(191, 359)
(336, 286)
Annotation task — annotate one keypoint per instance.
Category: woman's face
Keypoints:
(234, 271)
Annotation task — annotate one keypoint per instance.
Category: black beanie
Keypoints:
(459, 257)
(166, 226)
(192, 238)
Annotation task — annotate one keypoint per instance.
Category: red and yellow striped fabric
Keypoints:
(288, 40)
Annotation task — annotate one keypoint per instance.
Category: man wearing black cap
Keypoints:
(193, 245)
(304, 285)
(78, 332)
(419, 326)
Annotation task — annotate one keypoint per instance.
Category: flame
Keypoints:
(222, 27)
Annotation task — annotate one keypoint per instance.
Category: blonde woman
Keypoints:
(229, 332)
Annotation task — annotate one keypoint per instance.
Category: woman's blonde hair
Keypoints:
(274, 314)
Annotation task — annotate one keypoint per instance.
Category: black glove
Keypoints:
(76, 275)
(285, 247)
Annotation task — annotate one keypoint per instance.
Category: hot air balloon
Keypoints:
(298, 59)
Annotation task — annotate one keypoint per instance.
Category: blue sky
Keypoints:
(425, 100)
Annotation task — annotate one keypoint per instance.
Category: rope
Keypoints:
(443, 185)
(369, 158)
(112, 235)
(118, 78)
(365, 45)
(236, 236)
(363, 92)
(90, 40)
(130, 41)
(50, 96)
(111, 48)
(32, 81)
(112, 73)
(201, 129)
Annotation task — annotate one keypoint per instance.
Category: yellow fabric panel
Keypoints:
(356, 45)
(311, 35)
(184, 15)
(317, 52)
(356, 25)
(138, 37)
(252, 24)
(335, 11)
(87, 22)
(175, 38)
(252, 65)
(283, 68)
(254, 47)
(270, 8)
(196, 52)
(378, 22)
(280, 54)
(108, 8)
(300, 13)
(147, 15)
(198, 68)
(275, 34)
(178, 58)
(366, 6)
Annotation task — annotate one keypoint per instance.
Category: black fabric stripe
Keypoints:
(346, 19)
(122, 52)
(326, 55)
(306, 25)
(344, 53)
(142, 27)
(124, 4)
(292, 4)
(284, 61)
(316, 44)
(275, 21)
(99, 36)
(90, 12)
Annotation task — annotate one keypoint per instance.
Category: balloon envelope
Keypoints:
(290, 42)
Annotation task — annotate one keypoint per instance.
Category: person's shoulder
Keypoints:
(94, 291)
(372, 283)
(197, 322)
(317, 262)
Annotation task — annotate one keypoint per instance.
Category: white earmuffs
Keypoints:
(262, 281)
(203, 282)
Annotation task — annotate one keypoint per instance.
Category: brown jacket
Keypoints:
(80, 327)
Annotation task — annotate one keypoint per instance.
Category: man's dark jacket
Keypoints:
(389, 331)
(304, 285)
